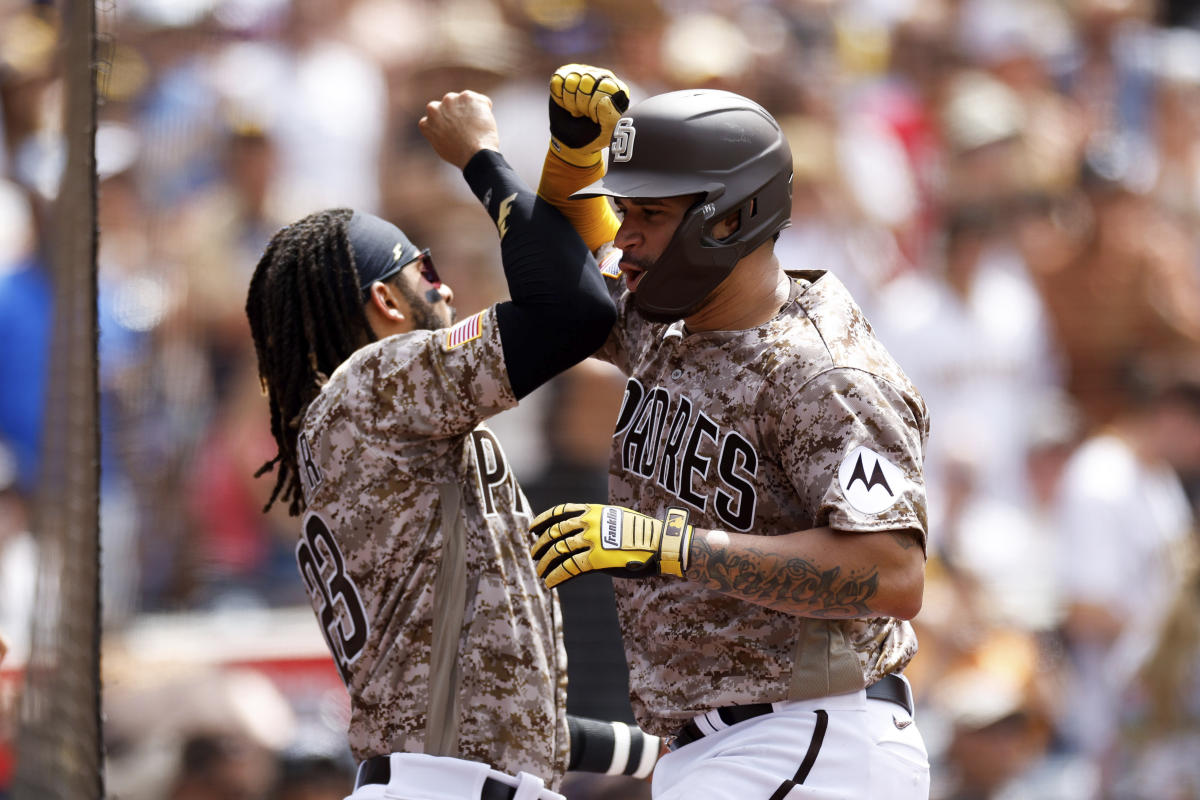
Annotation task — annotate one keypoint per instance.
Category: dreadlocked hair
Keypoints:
(307, 316)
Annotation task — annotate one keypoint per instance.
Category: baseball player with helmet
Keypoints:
(767, 515)
(415, 536)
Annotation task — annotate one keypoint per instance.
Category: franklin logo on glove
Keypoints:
(610, 539)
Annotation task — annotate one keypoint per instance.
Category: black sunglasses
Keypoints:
(428, 271)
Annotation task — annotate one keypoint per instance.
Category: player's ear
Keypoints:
(387, 311)
(728, 226)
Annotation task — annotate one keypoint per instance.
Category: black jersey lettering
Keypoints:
(652, 415)
(492, 469)
(668, 471)
(737, 466)
(630, 403)
(694, 464)
(679, 454)
(311, 471)
(334, 596)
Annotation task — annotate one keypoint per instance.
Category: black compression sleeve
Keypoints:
(611, 748)
(560, 312)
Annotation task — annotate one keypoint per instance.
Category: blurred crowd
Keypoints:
(1010, 188)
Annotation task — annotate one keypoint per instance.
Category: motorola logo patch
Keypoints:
(869, 481)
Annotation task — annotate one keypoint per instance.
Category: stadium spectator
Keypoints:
(1125, 526)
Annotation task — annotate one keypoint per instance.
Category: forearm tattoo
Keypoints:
(778, 581)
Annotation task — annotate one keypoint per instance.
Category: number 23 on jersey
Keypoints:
(334, 596)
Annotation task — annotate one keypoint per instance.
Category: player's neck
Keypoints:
(752, 294)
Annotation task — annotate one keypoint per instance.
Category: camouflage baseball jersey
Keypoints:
(802, 422)
(415, 551)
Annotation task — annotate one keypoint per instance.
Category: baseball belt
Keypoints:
(890, 687)
(378, 769)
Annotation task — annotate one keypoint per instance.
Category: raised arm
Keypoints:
(560, 311)
(585, 104)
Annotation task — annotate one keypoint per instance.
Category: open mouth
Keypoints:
(633, 275)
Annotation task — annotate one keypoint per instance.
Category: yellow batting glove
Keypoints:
(575, 538)
(585, 104)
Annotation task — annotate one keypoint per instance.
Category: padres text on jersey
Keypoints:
(660, 438)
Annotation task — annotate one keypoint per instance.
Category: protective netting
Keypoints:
(59, 746)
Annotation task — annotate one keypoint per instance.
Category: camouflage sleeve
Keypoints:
(852, 444)
(431, 384)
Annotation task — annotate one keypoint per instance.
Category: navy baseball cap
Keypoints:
(380, 248)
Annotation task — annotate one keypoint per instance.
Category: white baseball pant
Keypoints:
(845, 746)
(415, 776)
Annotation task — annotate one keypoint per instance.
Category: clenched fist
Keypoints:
(459, 126)
(575, 538)
(585, 104)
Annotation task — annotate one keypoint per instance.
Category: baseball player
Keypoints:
(415, 536)
(768, 513)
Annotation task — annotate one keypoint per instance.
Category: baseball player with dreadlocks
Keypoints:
(768, 514)
(415, 536)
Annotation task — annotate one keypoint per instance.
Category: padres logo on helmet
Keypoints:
(621, 148)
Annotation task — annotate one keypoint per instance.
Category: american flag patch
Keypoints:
(609, 267)
(463, 332)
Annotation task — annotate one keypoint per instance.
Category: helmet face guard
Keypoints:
(723, 148)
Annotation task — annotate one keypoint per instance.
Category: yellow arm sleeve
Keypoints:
(593, 218)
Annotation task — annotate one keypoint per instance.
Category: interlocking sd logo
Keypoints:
(621, 147)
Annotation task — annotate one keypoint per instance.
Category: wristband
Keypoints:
(611, 748)
(592, 217)
(676, 541)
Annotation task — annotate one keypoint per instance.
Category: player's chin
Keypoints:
(443, 316)
(437, 317)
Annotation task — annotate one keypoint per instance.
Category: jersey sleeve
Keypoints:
(852, 444)
(432, 384)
